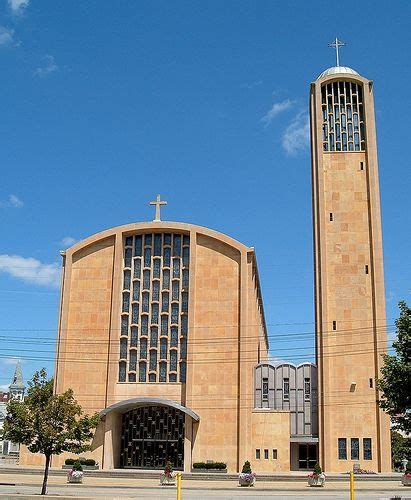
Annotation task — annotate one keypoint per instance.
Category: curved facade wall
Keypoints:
(179, 300)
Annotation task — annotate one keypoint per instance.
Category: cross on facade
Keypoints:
(158, 203)
(336, 44)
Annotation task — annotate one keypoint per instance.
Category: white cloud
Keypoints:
(49, 66)
(4, 387)
(12, 201)
(30, 270)
(6, 36)
(276, 109)
(67, 241)
(15, 201)
(296, 136)
(18, 6)
(9, 361)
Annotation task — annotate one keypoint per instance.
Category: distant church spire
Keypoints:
(17, 385)
(336, 44)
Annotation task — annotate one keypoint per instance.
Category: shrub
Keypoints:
(69, 461)
(90, 462)
(213, 465)
(219, 465)
(246, 467)
(77, 466)
(317, 469)
(199, 465)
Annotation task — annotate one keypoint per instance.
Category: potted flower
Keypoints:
(317, 477)
(168, 477)
(406, 478)
(75, 474)
(247, 477)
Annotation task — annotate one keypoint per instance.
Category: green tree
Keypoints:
(400, 449)
(48, 423)
(395, 381)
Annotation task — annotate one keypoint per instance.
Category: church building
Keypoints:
(162, 328)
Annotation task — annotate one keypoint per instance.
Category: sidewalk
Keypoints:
(26, 485)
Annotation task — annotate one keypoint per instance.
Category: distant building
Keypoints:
(16, 391)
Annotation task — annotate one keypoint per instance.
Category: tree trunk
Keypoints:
(46, 475)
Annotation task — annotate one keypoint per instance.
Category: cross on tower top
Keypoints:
(336, 44)
(158, 203)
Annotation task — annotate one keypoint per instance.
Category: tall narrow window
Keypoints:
(307, 389)
(361, 165)
(133, 360)
(367, 448)
(153, 360)
(342, 449)
(366, 268)
(355, 449)
(257, 454)
(331, 216)
(371, 383)
(265, 454)
(142, 371)
(265, 389)
(334, 325)
(286, 389)
(122, 371)
(138, 246)
(275, 454)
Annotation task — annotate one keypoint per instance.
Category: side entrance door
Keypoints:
(307, 456)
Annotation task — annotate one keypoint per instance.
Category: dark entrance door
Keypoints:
(152, 435)
(307, 456)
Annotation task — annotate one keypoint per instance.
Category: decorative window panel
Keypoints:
(355, 449)
(155, 282)
(367, 448)
(343, 123)
(342, 449)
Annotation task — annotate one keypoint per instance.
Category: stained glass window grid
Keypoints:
(177, 253)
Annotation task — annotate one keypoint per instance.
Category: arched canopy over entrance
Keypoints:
(152, 432)
(128, 404)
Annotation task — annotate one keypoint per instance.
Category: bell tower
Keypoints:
(349, 275)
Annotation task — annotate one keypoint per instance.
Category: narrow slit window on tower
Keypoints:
(334, 325)
(361, 165)
(265, 454)
(331, 216)
(257, 454)
(371, 383)
(366, 268)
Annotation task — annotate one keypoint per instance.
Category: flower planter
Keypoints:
(246, 479)
(75, 476)
(168, 480)
(316, 480)
(406, 479)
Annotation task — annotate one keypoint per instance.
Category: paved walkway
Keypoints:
(29, 485)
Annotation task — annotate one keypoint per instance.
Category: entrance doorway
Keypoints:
(151, 436)
(307, 456)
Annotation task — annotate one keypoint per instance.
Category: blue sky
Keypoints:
(106, 104)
